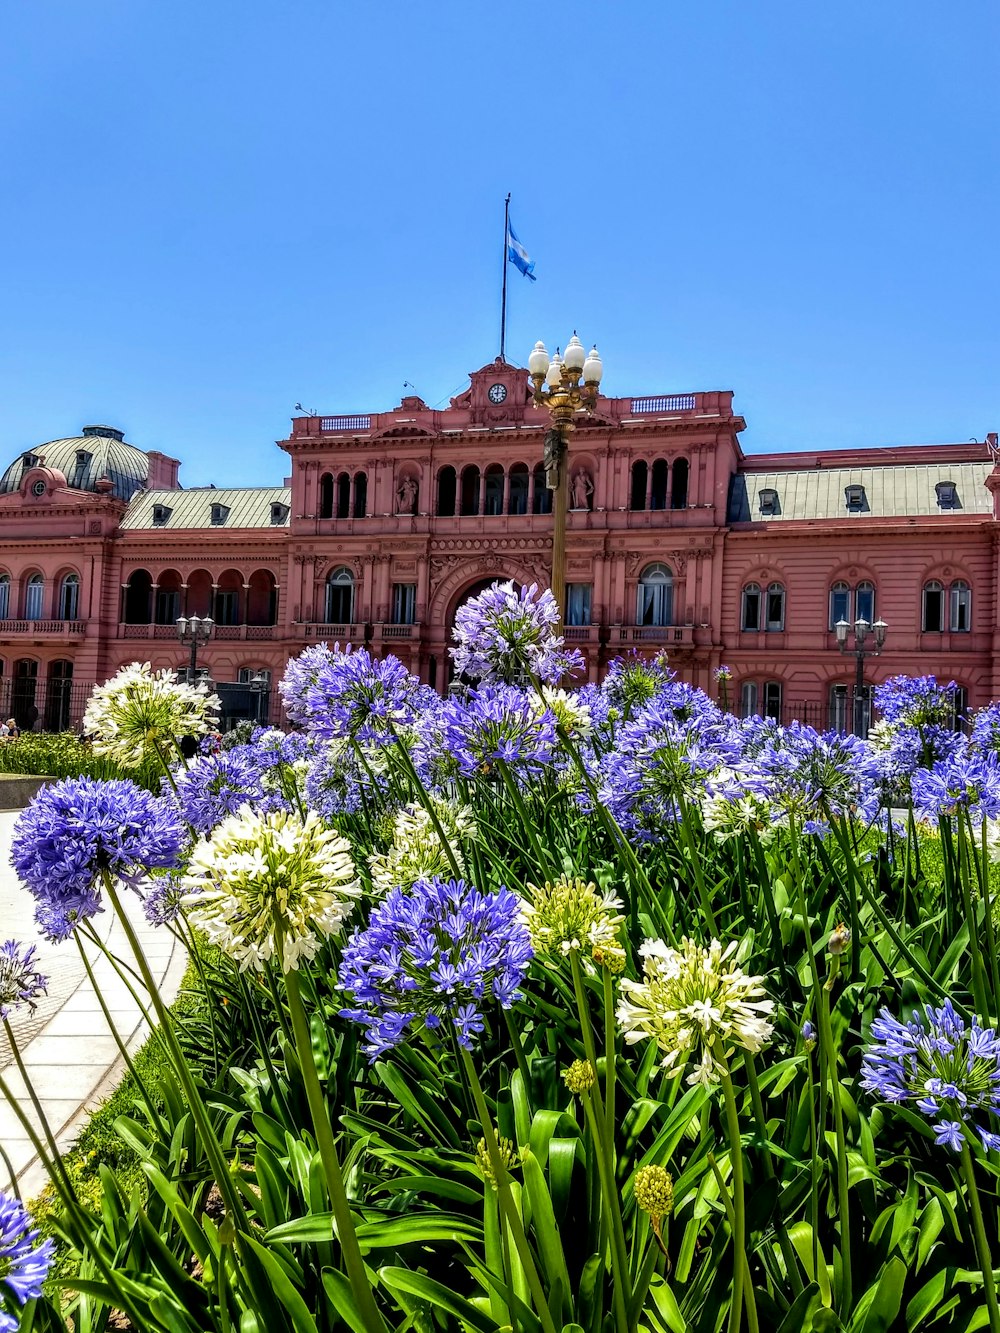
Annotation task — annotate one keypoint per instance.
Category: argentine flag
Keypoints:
(518, 256)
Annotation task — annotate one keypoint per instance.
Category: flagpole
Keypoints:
(503, 299)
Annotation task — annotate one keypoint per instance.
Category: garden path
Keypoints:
(71, 1058)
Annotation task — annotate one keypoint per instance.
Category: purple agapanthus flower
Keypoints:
(24, 1259)
(300, 675)
(339, 781)
(968, 780)
(218, 784)
(916, 701)
(21, 983)
(508, 635)
(985, 734)
(497, 722)
(946, 1068)
(801, 772)
(436, 954)
(77, 828)
(355, 695)
(633, 681)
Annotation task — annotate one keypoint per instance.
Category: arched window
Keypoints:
(69, 598)
(493, 500)
(864, 602)
(679, 494)
(658, 492)
(470, 489)
(4, 596)
(343, 495)
(748, 698)
(167, 603)
(774, 613)
(840, 604)
(339, 608)
(446, 492)
(637, 498)
(932, 620)
(361, 495)
(22, 698)
(517, 489)
(960, 607)
(326, 495)
(543, 496)
(33, 595)
(655, 598)
(750, 610)
(772, 699)
(840, 718)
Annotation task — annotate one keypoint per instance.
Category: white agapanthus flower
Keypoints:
(139, 711)
(417, 851)
(693, 1000)
(574, 916)
(259, 878)
(733, 817)
(570, 714)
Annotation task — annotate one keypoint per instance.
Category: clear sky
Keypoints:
(213, 210)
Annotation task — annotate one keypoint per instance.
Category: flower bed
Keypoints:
(598, 1010)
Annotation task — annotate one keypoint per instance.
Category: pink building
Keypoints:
(677, 541)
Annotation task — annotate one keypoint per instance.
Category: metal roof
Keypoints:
(241, 507)
(83, 460)
(899, 491)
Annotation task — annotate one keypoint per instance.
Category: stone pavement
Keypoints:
(71, 1057)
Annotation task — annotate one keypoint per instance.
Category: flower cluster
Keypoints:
(497, 723)
(633, 681)
(352, 694)
(139, 712)
(270, 886)
(507, 635)
(416, 851)
(945, 1067)
(572, 916)
(694, 997)
(24, 1260)
(76, 830)
(436, 954)
(966, 781)
(221, 783)
(20, 980)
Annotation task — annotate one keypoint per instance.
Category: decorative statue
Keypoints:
(583, 489)
(406, 496)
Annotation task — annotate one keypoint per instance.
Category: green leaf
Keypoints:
(341, 1293)
(666, 1304)
(800, 1310)
(888, 1297)
(418, 1284)
(288, 1295)
(544, 1227)
(800, 1234)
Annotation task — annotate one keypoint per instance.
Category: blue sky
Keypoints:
(215, 210)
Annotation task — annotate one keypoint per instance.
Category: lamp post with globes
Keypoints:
(564, 385)
(196, 631)
(868, 642)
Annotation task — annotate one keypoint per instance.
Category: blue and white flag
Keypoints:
(518, 256)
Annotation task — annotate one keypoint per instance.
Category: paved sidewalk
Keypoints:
(71, 1057)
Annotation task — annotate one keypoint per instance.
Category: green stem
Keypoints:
(542, 859)
(727, 1203)
(49, 1137)
(323, 1130)
(971, 917)
(610, 1054)
(507, 1206)
(843, 1202)
(425, 800)
(154, 1114)
(621, 1284)
(982, 1245)
(787, 1250)
(740, 1274)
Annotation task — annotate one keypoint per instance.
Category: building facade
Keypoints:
(676, 542)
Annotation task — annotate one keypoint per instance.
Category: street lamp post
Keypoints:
(196, 631)
(868, 642)
(557, 387)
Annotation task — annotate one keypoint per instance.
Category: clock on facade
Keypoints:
(497, 393)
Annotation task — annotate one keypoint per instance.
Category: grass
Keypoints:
(63, 755)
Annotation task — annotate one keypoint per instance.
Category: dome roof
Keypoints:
(100, 451)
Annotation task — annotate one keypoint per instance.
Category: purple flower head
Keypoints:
(24, 1260)
(507, 635)
(801, 772)
(300, 675)
(916, 701)
(497, 722)
(722, 673)
(634, 681)
(161, 897)
(339, 782)
(77, 828)
(966, 781)
(219, 784)
(664, 755)
(949, 1070)
(435, 954)
(20, 981)
(985, 734)
(353, 694)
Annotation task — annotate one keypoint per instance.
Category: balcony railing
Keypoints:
(399, 631)
(670, 636)
(580, 633)
(331, 633)
(346, 423)
(255, 632)
(671, 402)
(60, 627)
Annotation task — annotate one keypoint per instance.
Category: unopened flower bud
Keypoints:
(579, 1077)
(839, 939)
(808, 1035)
(509, 1155)
(609, 956)
(654, 1191)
